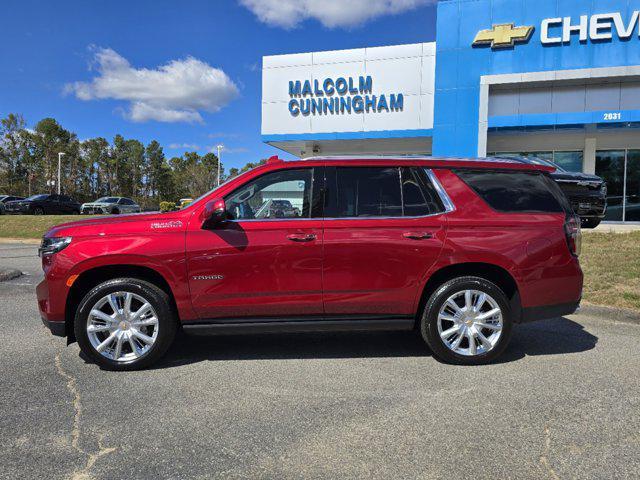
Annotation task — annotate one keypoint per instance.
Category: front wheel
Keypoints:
(38, 211)
(467, 321)
(125, 324)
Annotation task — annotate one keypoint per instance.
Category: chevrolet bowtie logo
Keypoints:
(504, 35)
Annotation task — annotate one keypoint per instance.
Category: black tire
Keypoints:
(429, 320)
(38, 211)
(590, 223)
(159, 300)
(115, 211)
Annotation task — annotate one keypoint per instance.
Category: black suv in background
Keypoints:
(6, 199)
(586, 193)
(44, 204)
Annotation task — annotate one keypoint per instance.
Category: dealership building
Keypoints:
(558, 79)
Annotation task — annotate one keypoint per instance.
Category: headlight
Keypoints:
(51, 245)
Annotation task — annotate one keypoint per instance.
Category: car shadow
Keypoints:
(549, 337)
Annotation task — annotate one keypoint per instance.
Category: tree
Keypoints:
(49, 139)
(95, 167)
(11, 151)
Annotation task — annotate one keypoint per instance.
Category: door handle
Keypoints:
(302, 237)
(417, 235)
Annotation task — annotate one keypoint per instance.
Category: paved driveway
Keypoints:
(563, 403)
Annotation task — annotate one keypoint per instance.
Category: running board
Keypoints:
(218, 327)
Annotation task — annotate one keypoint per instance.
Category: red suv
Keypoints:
(460, 250)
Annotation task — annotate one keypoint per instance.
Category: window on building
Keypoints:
(621, 170)
(569, 161)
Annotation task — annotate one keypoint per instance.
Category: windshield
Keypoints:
(211, 191)
(38, 197)
(546, 163)
(107, 200)
(530, 159)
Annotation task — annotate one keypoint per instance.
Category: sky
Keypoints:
(186, 73)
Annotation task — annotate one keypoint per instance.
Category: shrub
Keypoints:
(167, 206)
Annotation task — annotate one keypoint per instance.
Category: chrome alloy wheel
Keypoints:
(122, 326)
(470, 323)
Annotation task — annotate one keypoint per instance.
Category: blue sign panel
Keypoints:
(492, 37)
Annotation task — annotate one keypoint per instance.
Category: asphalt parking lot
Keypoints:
(562, 403)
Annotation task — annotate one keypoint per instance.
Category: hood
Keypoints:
(576, 177)
(137, 223)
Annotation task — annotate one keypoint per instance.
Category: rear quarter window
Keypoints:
(514, 192)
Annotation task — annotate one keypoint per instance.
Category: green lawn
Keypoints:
(31, 226)
(611, 262)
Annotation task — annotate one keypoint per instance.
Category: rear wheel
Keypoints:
(590, 222)
(467, 321)
(125, 324)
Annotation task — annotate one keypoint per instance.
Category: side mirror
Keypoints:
(214, 213)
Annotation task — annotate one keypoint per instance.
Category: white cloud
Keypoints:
(223, 135)
(331, 13)
(185, 146)
(175, 92)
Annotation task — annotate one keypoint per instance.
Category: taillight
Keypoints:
(574, 234)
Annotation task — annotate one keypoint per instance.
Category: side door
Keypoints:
(52, 205)
(66, 204)
(264, 261)
(124, 205)
(384, 229)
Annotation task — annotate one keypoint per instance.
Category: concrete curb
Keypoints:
(623, 315)
(25, 241)
(9, 274)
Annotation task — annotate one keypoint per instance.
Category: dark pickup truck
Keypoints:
(586, 193)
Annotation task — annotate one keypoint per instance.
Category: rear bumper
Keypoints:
(532, 314)
(57, 328)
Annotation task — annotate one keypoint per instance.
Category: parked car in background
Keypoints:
(185, 202)
(449, 248)
(7, 198)
(586, 193)
(110, 206)
(44, 204)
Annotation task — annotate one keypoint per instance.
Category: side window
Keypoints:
(276, 195)
(65, 199)
(53, 198)
(419, 196)
(364, 192)
(513, 191)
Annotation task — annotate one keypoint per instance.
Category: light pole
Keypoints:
(60, 154)
(219, 147)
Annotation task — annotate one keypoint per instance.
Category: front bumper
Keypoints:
(16, 210)
(93, 211)
(589, 207)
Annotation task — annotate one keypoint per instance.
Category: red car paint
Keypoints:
(313, 267)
